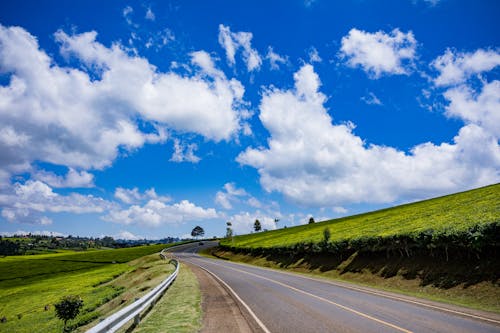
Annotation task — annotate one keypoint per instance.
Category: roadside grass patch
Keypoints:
(179, 310)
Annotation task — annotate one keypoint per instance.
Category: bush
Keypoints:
(68, 308)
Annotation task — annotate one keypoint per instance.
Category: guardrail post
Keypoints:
(137, 319)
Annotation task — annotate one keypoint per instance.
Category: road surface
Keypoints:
(285, 302)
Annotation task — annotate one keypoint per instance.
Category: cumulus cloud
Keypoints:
(457, 67)
(243, 222)
(127, 235)
(83, 117)
(231, 195)
(314, 55)
(28, 202)
(317, 163)
(275, 59)
(130, 196)
(156, 213)
(233, 41)
(470, 96)
(73, 179)
(379, 53)
(481, 108)
(184, 152)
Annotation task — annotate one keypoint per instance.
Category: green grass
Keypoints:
(179, 310)
(457, 211)
(29, 283)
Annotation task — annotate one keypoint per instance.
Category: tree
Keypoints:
(197, 231)
(68, 308)
(311, 220)
(326, 235)
(257, 226)
(229, 230)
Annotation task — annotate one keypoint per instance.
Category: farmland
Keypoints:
(456, 212)
(30, 285)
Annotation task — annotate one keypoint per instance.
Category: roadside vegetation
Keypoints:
(104, 279)
(179, 311)
(444, 248)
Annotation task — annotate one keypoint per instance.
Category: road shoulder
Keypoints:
(221, 312)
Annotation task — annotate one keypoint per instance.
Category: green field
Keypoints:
(455, 212)
(30, 283)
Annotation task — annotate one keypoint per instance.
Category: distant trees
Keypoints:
(68, 308)
(198, 232)
(311, 220)
(257, 226)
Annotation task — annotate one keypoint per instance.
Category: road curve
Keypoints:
(285, 302)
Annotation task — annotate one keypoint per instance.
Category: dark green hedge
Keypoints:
(477, 241)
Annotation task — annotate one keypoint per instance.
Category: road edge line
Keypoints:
(238, 298)
(381, 293)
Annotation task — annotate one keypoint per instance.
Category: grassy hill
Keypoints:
(30, 285)
(457, 212)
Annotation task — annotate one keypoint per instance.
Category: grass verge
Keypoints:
(406, 277)
(179, 310)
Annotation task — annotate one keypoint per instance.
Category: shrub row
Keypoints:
(474, 242)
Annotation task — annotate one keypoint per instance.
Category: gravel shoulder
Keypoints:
(221, 312)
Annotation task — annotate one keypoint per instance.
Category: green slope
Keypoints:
(456, 212)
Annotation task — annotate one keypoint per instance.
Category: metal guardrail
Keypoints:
(133, 311)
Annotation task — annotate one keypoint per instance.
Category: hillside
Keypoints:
(457, 212)
(105, 279)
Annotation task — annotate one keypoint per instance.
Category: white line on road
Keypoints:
(318, 297)
(254, 316)
(377, 293)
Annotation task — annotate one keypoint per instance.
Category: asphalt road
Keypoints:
(285, 302)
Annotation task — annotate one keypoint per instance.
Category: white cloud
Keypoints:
(316, 163)
(127, 235)
(155, 213)
(371, 99)
(457, 67)
(150, 15)
(26, 203)
(233, 41)
(314, 55)
(275, 59)
(73, 179)
(127, 13)
(339, 210)
(482, 109)
(243, 222)
(184, 152)
(232, 195)
(47, 104)
(130, 196)
(379, 53)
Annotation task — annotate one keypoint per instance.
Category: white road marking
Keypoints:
(318, 297)
(254, 316)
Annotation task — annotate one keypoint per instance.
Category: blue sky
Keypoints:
(143, 119)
